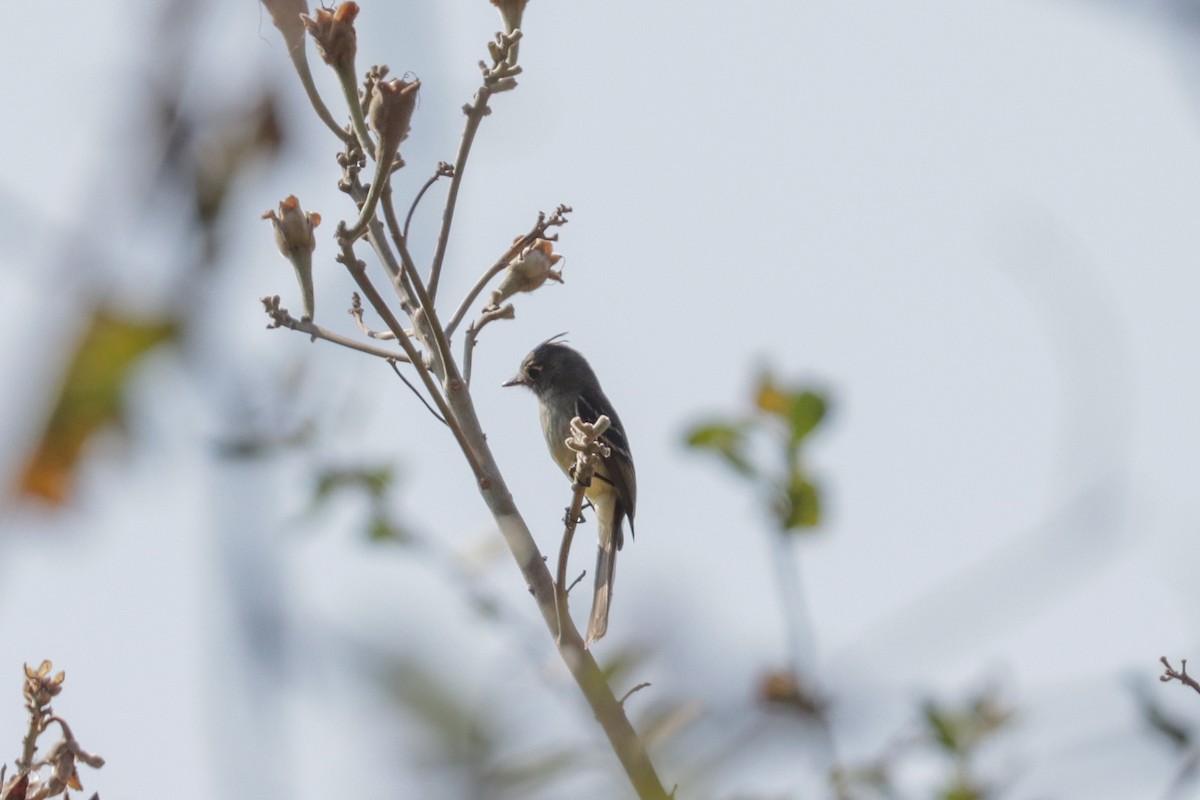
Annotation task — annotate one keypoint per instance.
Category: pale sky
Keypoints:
(973, 224)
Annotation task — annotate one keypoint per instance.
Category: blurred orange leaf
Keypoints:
(91, 398)
(769, 397)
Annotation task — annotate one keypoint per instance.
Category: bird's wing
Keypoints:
(619, 464)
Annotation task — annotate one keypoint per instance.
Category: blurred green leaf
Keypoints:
(960, 731)
(728, 440)
(1178, 732)
(375, 481)
(459, 729)
(800, 506)
(92, 398)
(961, 790)
(943, 726)
(806, 411)
(872, 779)
(384, 529)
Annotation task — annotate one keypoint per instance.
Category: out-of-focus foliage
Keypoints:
(467, 736)
(785, 689)
(1179, 733)
(91, 398)
(377, 483)
(781, 419)
(959, 733)
(955, 733)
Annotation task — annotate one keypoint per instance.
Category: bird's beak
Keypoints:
(515, 381)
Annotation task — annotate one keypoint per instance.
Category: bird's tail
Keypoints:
(606, 566)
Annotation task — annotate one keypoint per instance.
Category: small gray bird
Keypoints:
(566, 387)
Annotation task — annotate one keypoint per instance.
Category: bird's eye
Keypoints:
(533, 370)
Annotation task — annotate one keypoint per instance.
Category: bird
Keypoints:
(566, 387)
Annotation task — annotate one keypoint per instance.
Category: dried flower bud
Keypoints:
(286, 16)
(294, 238)
(62, 759)
(40, 688)
(293, 227)
(390, 111)
(511, 11)
(333, 32)
(527, 271)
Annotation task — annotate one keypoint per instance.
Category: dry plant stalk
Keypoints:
(378, 118)
(61, 759)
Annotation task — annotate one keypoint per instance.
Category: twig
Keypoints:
(564, 550)
(300, 61)
(415, 391)
(444, 170)
(358, 271)
(414, 285)
(414, 299)
(638, 688)
(504, 312)
(1170, 674)
(575, 582)
(356, 311)
(280, 318)
(389, 216)
(428, 319)
(349, 83)
(500, 77)
(383, 175)
(538, 231)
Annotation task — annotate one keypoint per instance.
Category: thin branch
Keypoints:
(1169, 674)
(575, 582)
(349, 83)
(358, 271)
(429, 317)
(300, 61)
(538, 231)
(500, 77)
(638, 688)
(414, 299)
(382, 179)
(564, 550)
(417, 392)
(389, 216)
(504, 312)
(29, 742)
(400, 239)
(280, 318)
(391, 104)
(356, 311)
(444, 170)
